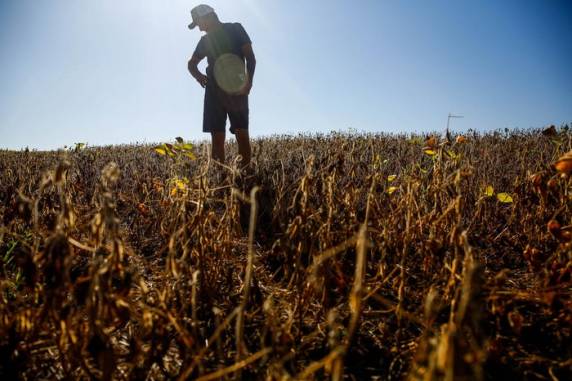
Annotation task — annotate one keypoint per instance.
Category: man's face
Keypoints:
(202, 24)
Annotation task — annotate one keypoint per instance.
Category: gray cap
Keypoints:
(198, 12)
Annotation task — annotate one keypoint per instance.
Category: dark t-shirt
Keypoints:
(229, 38)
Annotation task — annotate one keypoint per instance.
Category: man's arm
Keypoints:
(194, 70)
(250, 66)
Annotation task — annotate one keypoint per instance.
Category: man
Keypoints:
(227, 81)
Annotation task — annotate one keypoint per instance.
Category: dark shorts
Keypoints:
(218, 105)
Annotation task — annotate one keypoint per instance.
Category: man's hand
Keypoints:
(202, 79)
(246, 88)
(250, 66)
(194, 70)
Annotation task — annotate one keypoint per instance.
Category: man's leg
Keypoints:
(243, 140)
(238, 115)
(214, 121)
(218, 138)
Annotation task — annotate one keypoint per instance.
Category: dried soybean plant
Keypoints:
(340, 256)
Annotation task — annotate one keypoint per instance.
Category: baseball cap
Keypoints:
(198, 12)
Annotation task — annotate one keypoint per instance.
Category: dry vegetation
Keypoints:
(362, 257)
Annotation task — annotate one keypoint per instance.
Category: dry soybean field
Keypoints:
(338, 256)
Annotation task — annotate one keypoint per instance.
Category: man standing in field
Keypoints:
(227, 82)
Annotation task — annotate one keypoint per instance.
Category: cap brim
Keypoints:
(192, 25)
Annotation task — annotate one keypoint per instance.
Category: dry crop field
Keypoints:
(339, 257)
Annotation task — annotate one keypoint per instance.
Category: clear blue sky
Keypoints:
(110, 72)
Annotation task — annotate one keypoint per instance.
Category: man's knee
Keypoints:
(241, 133)
(243, 141)
(218, 139)
(242, 138)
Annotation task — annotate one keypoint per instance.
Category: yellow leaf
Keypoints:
(430, 152)
(168, 148)
(390, 190)
(416, 140)
(190, 155)
(489, 191)
(452, 155)
(504, 197)
(421, 169)
(160, 151)
(390, 178)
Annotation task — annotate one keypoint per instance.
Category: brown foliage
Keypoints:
(342, 256)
